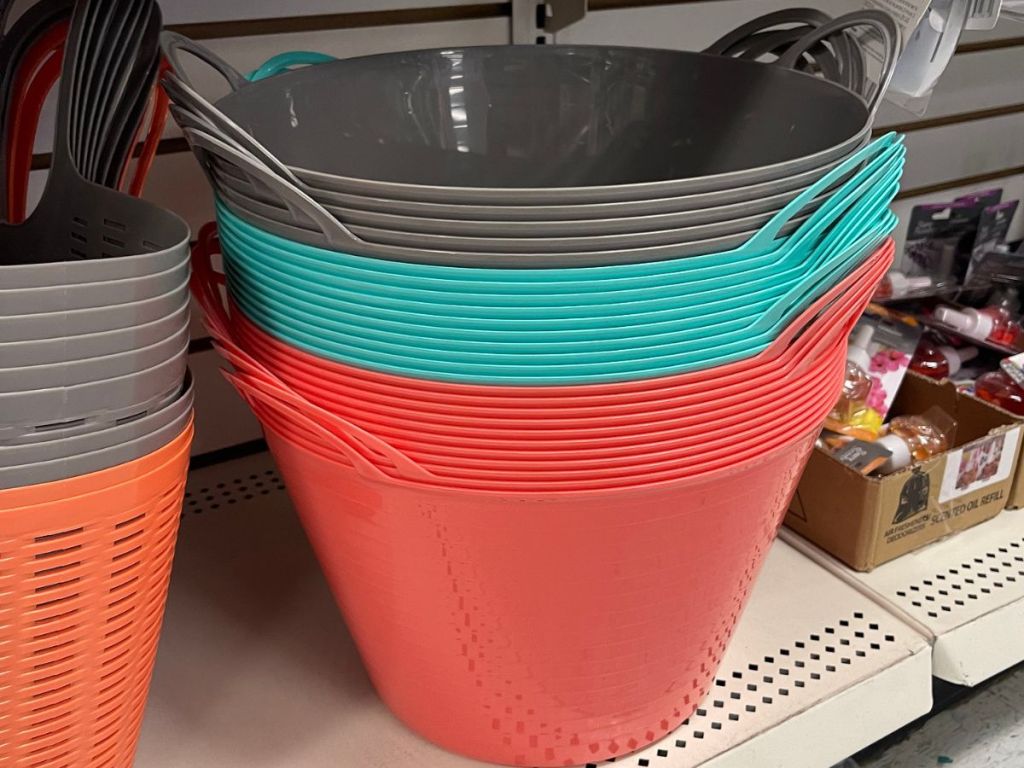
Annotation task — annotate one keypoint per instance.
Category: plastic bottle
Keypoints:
(916, 438)
(999, 389)
(994, 324)
(896, 285)
(857, 384)
(938, 361)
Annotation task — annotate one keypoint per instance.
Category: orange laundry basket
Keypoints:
(84, 568)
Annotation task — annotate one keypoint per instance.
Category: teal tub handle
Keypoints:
(284, 62)
(803, 293)
(878, 151)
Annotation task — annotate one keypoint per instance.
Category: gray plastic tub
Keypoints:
(539, 124)
(71, 456)
(117, 267)
(656, 229)
(557, 216)
(511, 261)
(720, 236)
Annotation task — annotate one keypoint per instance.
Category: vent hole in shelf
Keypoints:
(232, 491)
(985, 574)
(757, 687)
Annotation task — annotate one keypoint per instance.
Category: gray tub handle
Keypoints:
(882, 22)
(293, 197)
(174, 44)
(185, 97)
(757, 38)
(728, 44)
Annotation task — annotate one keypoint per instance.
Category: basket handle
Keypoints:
(841, 315)
(295, 199)
(258, 400)
(216, 122)
(32, 86)
(157, 121)
(353, 442)
(882, 23)
(876, 154)
(205, 283)
(732, 43)
(832, 324)
(174, 44)
(800, 325)
(757, 38)
(283, 62)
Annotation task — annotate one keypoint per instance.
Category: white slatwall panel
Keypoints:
(976, 81)
(965, 149)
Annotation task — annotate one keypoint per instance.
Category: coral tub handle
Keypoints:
(257, 381)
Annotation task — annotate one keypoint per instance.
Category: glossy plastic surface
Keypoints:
(802, 340)
(533, 116)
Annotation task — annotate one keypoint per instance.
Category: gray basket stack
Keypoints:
(94, 300)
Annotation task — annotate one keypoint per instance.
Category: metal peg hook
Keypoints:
(539, 21)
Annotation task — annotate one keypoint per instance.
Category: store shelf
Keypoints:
(256, 670)
(966, 593)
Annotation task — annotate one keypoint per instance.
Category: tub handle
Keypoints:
(283, 62)
(290, 195)
(174, 44)
(882, 23)
(757, 38)
(206, 283)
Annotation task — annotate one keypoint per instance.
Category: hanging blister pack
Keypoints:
(929, 49)
(934, 235)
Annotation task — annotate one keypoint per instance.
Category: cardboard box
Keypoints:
(867, 521)
(1016, 499)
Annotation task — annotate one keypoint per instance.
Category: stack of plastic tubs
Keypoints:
(95, 431)
(540, 469)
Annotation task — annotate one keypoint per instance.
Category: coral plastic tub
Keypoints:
(497, 473)
(540, 629)
(85, 565)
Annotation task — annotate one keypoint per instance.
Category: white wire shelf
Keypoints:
(256, 669)
(966, 593)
